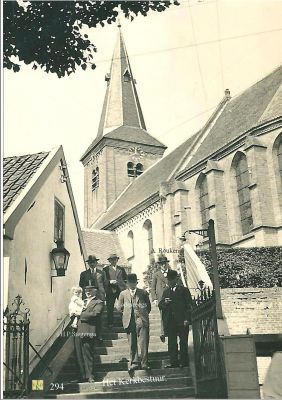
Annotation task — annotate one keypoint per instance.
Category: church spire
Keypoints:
(121, 105)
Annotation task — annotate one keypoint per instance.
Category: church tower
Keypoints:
(122, 149)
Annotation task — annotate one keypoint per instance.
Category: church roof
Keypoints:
(259, 103)
(95, 240)
(122, 116)
(17, 172)
(145, 185)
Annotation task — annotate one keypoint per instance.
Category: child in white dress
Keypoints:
(76, 305)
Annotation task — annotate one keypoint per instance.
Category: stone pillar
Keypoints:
(260, 190)
(217, 201)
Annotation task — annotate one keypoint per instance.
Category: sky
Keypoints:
(182, 59)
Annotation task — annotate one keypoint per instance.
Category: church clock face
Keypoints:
(136, 153)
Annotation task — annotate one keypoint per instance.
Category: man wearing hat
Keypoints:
(134, 303)
(94, 276)
(86, 332)
(176, 306)
(115, 281)
(159, 284)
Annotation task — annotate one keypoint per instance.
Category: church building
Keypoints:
(229, 171)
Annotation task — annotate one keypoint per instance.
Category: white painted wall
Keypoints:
(33, 241)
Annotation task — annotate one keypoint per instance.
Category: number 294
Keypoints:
(56, 386)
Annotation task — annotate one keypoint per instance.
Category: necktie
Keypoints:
(93, 274)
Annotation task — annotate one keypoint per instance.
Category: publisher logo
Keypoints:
(37, 385)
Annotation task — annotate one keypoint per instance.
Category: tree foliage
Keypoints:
(48, 34)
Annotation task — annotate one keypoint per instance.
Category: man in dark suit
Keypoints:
(176, 305)
(135, 306)
(159, 284)
(115, 281)
(94, 276)
(86, 333)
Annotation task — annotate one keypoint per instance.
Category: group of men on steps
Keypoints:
(111, 284)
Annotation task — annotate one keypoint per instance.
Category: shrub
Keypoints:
(247, 267)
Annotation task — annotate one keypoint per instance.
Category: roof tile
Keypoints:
(17, 173)
(95, 244)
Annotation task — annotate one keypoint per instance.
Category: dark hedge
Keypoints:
(247, 267)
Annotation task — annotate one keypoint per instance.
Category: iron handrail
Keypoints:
(41, 358)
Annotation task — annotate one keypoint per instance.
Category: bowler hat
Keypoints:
(90, 287)
(114, 255)
(162, 259)
(132, 278)
(91, 258)
(171, 274)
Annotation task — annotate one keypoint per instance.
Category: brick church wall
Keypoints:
(256, 309)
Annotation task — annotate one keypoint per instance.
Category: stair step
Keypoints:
(155, 313)
(117, 365)
(155, 328)
(118, 316)
(116, 358)
(154, 340)
(68, 376)
(155, 335)
(102, 375)
(164, 393)
(154, 348)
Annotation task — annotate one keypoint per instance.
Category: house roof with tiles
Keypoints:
(23, 177)
(260, 103)
(95, 240)
(17, 172)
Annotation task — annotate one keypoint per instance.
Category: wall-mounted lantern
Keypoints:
(60, 257)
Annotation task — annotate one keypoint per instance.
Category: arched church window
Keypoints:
(130, 169)
(149, 230)
(204, 202)
(130, 237)
(279, 156)
(139, 169)
(95, 178)
(243, 181)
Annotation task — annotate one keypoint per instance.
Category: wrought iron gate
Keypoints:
(208, 363)
(16, 342)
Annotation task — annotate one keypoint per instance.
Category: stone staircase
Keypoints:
(111, 377)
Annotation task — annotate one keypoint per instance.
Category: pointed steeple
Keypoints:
(122, 117)
(121, 105)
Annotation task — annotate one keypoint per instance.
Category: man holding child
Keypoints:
(86, 332)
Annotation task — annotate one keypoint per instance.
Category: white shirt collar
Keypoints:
(132, 291)
(114, 267)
